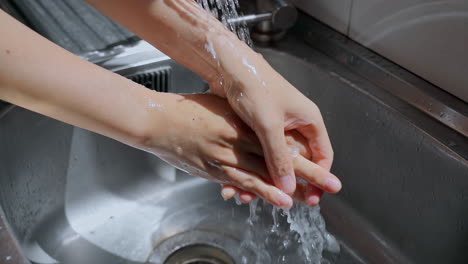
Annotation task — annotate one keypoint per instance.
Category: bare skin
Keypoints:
(42, 77)
(263, 99)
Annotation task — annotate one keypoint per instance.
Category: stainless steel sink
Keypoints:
(72, 196)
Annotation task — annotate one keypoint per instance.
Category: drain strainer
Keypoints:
(199, 247)
(199, 254)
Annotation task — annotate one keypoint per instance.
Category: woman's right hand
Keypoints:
(202, 135)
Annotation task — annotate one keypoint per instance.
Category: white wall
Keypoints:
(427, 37)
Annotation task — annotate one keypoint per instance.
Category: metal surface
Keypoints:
(4, 108)
(157, 79)
(143, 58)
(10, 250)
(190, 235)
(280, 14)
(249, 19)
(284, 15)
(74, 25)
(335, 13)
(10, 8)
(199, 254)
(428, 98)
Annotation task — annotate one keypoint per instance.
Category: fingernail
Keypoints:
(227, 193)
(284, 200)
(333, 184)
(245, 198)
(287, 184)
(313, 201)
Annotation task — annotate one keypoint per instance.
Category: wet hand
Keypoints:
(204, 137)
(301, 155)
(271, 106)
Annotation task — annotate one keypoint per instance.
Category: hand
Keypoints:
(204, 137)
(271, 106)
(301, 155)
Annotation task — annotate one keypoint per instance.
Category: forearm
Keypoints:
(42, 77)
(185, 32)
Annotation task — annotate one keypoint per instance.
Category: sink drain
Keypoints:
(199, 254)
(199, 247)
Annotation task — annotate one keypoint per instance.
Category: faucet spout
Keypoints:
(250, 19)
(279, 13)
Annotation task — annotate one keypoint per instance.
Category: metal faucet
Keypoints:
(273, 19)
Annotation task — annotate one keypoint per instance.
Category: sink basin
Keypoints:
(72, 196)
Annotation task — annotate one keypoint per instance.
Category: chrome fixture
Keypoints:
(273, 19)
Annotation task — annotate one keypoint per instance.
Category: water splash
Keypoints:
(309, 224)
(252, 238)
(274, 215)
(296, 236)
(225, 11)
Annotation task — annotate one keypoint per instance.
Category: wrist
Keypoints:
(239, 67)
(162, 122)
(226, 52)
(150, 120)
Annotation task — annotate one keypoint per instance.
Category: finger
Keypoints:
(316, 175)
(312, 195)
(241, 158)
(251, 163)
(319, 143)
(255, 164)
(299, 194)
(252, 144)
(298, 142)
(309, 194)
(278, 158)
(246, 197)
(228, 191)
(253, 183)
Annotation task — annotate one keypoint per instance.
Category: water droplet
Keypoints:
(209, 47)
(179, 150)
(250, 67)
